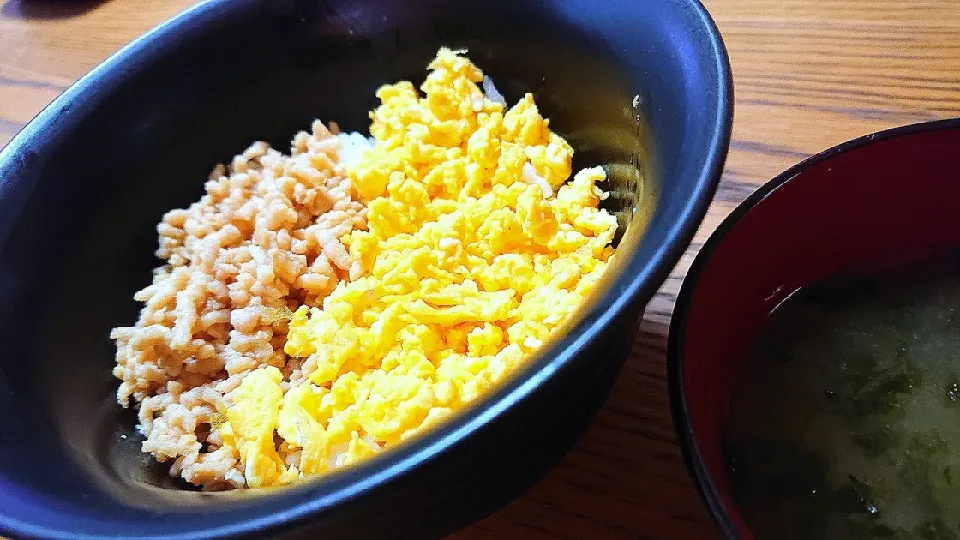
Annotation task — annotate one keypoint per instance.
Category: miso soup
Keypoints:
(845, 420)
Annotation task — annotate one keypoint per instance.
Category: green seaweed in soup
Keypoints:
(845, 423)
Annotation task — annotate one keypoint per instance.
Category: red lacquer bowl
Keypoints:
(889, 197)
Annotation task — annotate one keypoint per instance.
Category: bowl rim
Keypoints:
(677, 394)
(637, 283)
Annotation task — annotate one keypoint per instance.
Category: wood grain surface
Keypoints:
(808, 74)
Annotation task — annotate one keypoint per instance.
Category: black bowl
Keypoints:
(641, 85)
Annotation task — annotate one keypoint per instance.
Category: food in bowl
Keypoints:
(318, 307)
(844, 422)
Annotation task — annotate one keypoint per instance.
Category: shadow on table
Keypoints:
(46, 9)
(624, 480)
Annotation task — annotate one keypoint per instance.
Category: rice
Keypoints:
(491, 91)
(264, 238)
(352, 147)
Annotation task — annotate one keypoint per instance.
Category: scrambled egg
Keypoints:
(479, 246)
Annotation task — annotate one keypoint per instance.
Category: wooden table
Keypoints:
(807, 76)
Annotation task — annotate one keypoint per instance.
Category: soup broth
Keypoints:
(845, 422)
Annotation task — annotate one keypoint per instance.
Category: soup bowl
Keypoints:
(640, 86)
(874, 202)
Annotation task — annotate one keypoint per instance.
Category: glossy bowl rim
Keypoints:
(625, 292)
(677, 394)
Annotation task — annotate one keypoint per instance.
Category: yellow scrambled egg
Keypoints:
(479, 246)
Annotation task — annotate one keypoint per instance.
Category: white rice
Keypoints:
(352, 147)
(491, 91)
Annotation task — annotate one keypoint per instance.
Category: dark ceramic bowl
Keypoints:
(642, 85)
(883, 199)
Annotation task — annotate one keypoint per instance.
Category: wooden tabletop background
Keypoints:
(808, 74)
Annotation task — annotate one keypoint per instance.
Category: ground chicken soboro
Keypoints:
(263, 239)
(478, 249)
